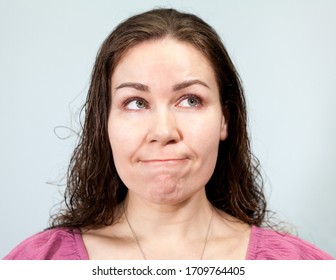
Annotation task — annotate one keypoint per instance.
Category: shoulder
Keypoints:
(51, 244)
(266, 244)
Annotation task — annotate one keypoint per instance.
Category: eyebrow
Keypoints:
(177, 87)
(137, 86)
(188, 84)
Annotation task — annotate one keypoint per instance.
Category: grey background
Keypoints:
(283, 50)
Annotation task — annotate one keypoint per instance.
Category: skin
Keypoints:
(158, 140)
(165, 125)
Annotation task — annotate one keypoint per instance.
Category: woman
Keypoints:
(163, 168)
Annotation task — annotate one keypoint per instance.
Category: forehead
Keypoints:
(164, 55)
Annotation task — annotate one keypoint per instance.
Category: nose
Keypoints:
(163, 128)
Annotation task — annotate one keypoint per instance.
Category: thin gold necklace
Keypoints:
(139, 246)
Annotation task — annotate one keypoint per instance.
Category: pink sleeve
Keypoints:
(267, 244)
(52, 244)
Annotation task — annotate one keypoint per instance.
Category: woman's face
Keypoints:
(165, 121)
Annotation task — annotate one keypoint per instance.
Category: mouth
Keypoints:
(155, 166)
(163, 161)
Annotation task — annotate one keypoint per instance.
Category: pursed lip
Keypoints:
(165, 160)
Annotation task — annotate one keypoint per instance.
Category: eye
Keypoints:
(135, 103)
(190, 101)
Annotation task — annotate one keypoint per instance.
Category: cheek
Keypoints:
(122, 142)
(122, 138)
(126, 138)
(203, 133)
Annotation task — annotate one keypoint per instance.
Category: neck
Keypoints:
(169, 226)
(186, 217)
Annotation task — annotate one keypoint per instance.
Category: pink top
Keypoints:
(67, 244)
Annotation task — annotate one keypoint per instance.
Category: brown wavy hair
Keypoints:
(94, 188)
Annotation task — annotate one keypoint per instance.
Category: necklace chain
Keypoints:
(140, 248)
(207, 235)
(134, 235)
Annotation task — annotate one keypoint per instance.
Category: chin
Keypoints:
(164, 194)
(171, 195)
